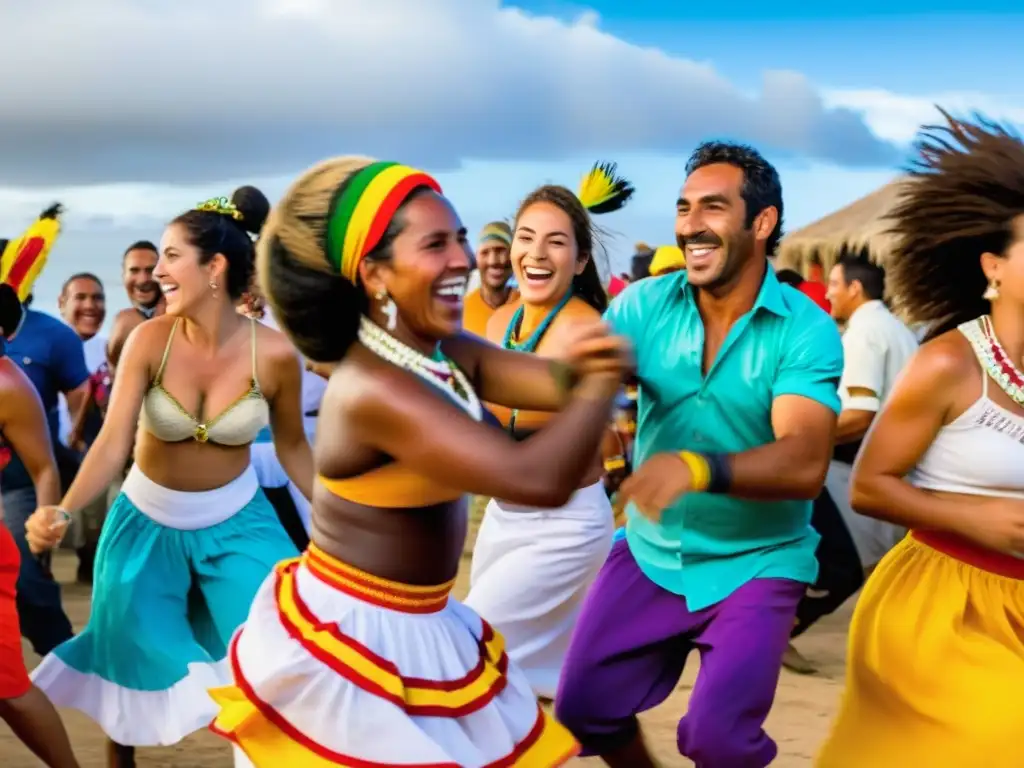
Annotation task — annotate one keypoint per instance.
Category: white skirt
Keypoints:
(338, 667)
(872, 538)
(531, 570)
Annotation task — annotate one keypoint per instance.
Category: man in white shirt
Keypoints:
(876, 347)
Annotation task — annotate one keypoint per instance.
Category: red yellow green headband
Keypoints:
(360, 214)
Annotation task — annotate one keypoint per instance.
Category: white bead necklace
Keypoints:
(994, 358)
(440, 373)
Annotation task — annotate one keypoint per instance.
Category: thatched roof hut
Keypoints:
(859, 227)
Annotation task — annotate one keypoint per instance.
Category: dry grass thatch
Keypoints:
(859, 227)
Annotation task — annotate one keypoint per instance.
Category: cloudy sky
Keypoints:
(139, 109)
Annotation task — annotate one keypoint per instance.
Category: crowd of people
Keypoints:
(264, 472)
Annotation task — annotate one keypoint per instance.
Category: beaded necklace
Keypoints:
(511, 340)
(993, 358)
(530, 345)
(438, 371)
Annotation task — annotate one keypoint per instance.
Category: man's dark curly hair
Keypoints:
(761, 186)
(966, 190)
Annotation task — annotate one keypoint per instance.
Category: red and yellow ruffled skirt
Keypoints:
(336, 667)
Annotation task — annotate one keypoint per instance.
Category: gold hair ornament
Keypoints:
(220, 205)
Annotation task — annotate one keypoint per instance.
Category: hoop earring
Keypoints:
(389, 309)
(992, 292)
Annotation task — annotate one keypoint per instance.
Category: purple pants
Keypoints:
(629, 648)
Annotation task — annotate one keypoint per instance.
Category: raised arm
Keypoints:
(26, 431)
(286, 423)
(402, 419)
(512, 379)
(532, 382)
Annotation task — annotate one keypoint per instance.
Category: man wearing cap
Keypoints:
(495, 268)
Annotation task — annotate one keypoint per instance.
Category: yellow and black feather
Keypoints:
(602, 190)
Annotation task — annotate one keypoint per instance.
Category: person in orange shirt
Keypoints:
(492, 258)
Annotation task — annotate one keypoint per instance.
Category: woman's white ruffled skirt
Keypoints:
(338, 667)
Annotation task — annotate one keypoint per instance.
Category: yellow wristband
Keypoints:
(613, 463)
(699, 468)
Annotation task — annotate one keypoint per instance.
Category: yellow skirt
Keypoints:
(935, 664)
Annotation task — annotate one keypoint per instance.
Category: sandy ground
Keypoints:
(803, 707)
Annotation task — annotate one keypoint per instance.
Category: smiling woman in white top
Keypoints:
(936, 656)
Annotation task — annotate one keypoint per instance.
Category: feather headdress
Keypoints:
(21, 262)
(602, 190)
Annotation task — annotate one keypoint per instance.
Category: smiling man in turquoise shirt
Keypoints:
(738, 378)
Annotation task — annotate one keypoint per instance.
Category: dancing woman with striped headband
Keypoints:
(355, 653)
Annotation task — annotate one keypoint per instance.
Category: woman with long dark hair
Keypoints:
(533, 565)
(935, 664)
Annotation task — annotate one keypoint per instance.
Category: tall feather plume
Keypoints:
(602, 190)
(23, 258)
(21, 262)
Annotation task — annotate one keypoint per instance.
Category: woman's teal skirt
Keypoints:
(175, 575)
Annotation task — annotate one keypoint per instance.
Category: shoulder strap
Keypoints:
(973, 331)
(167, 353)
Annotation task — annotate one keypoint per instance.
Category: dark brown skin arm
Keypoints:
(916, 410)
(795, 464)
(27, 432)
(397, 414)
(512, 379)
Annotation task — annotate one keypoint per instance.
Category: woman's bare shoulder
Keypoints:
(499, 321)
(945, 359)
(578, 309)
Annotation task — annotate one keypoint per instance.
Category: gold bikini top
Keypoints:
(238, 424)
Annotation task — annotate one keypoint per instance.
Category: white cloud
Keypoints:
(191, 91)
(897, 117)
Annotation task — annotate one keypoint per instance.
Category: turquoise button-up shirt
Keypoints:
(707, 546)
